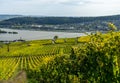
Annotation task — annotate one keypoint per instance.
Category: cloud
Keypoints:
(60, 7)
(74, 2)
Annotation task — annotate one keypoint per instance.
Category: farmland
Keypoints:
(66, 60)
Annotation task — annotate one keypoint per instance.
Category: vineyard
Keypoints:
(29, 55)
(90, 59)
(96, 61)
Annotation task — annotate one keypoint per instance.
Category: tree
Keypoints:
(54, 39)
(8, 48)
(112, 26)
(76, 40)
(65, 40)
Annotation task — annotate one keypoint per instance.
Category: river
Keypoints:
(35, 35)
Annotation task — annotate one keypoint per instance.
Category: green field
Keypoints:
(30, 55)
(88, 59)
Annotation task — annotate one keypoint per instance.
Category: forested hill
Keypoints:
(58, 20)
(4, 17)
(62, 23)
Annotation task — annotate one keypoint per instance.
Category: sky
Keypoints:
(60, 7)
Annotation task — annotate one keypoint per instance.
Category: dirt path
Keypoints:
(20, 78)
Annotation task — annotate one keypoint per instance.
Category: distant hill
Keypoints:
(62, 23)
(4, 17)
(54, 20)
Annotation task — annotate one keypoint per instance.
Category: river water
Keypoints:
(35, 35)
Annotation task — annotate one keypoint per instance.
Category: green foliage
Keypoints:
(94, 62)
(101, 62)
(55, 38)
(112, 26)
(73, 55)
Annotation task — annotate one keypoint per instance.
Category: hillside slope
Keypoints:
(5, 17)
(62, 23)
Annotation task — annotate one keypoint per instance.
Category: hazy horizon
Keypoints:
(56, 16)
(75, 8)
